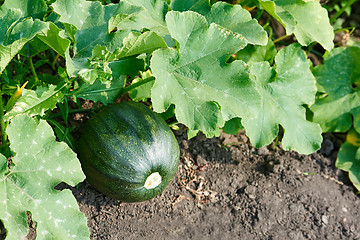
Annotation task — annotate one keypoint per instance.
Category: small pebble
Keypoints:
(325, 219)
(252, 196)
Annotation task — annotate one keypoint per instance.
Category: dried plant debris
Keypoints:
(196, 185)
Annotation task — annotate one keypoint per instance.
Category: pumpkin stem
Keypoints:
(152, 181)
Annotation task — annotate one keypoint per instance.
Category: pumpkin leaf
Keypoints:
(91, 24)
(338, 80)
(189, 77)
(150, 15)
(136, 43)
(233, 126)
(14, 34)
(232, 17)
(109, 25)
(105, 92)
(28, 185)
(260, 95)
(348, 158)
(200, 6)
(252, 53)
(282, 106)
(142, 92)
(308, 20)
(36, 102)
(238, 20)
(29, 8)
(53, 37)
(106, 47)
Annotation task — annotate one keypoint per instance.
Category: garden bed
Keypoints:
(208, 67)
(227, 189)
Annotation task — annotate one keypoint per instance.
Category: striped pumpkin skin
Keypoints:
(122, 145)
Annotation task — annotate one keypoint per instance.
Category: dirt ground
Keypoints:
(226, 189)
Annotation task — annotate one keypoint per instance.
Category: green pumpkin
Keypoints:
(128, 152)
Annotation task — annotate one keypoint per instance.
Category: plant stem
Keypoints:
(317, 53)
(266, 25)
(54, 63)
(310, 48)
(2, 123)
(338, 13)
(33, 71)
(281, 38)
(259, 14)
(352, 29)
(135, 85)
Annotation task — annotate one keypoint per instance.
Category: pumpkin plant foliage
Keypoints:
(348, 158)
(208, 64)
(27, 183)
(15, 33)
(307, 20)
(338, 83)
(189, 78)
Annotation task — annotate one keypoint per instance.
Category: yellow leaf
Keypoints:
(353, 137)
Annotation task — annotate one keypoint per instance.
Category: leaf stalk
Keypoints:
(338, 13)
(135, 85)
(2, 123)
(33, 70)
(281, 38)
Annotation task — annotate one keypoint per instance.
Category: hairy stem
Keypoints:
(281, 38)
(2, 123)
(54, 62)
(338, 13)
(135, 85)
(33, 70)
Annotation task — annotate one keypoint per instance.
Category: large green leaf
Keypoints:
(109, 25)
(233, 18)
(238, 20)
(103, 66)
(150, 14)
(200, 6)
(348, 158)
(305, 18)
(206, 91)
(105, 92)
(106, 47)
(74, 12)
(142, 92)
(14, 34)
(30, 8)
(196, 78)
(339, 78)
(55, 39)
(36, 102)
(136, 43)
(28, 185)
(91, 20)
(284, 89)
(33, 47)
(253, 53)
